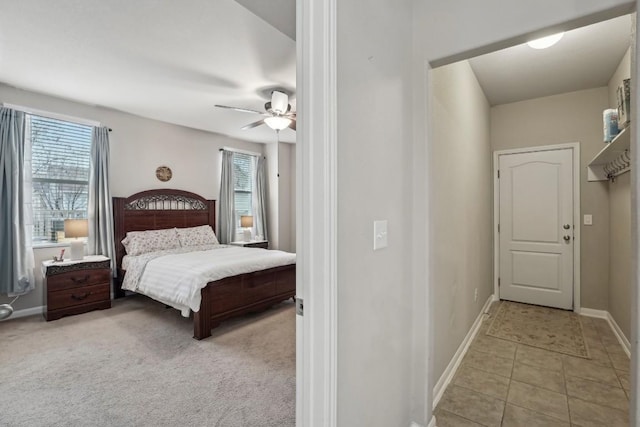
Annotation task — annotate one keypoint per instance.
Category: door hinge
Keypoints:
(498, 282)
(498, 228)
(299, 306)
(498, 173)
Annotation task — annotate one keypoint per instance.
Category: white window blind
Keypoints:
(60, 165)
(243, 174)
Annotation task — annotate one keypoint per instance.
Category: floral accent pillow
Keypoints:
(194, 236)
(142, 242)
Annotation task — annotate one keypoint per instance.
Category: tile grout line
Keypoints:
(464, 418)
(564, 375)
(513, 365)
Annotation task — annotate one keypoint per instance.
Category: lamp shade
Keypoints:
(277, 122)
(246, 221)
(76, 228)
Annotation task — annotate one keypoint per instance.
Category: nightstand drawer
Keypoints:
(77, 296)
(75, 279)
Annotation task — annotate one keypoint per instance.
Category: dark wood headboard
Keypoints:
(158, 209)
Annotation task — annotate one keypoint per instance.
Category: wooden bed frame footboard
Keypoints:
(222, 299)
(245, 293)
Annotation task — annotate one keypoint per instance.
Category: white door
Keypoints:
(536, 227)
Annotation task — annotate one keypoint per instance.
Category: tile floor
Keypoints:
(502, 383)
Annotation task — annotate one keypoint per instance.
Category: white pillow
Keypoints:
(195, 236)
(142, 242)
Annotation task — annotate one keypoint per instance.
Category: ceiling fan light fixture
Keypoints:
(279, 102)
(277, 122)
(545, 42)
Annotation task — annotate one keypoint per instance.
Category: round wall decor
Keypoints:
(163, 173)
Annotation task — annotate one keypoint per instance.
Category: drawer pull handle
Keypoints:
(85, 279)
(80, 297)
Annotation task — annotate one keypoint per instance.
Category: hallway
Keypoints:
(505, 383)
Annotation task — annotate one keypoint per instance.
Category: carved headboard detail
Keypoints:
(158, 209)
(163, 202)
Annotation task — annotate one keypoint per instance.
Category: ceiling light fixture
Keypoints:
(277, 122)
(546, 42)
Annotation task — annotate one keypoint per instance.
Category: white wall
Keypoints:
(138, 146)
(374, 139)
(461, 190)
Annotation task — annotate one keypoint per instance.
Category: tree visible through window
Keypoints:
(61, 153)
(243, 176)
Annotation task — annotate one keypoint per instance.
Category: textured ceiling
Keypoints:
(169, 60)
(584, 58)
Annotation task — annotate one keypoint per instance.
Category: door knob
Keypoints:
(566, 226)
(567, 238)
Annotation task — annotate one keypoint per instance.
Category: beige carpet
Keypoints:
(542, 327)
(137, 365)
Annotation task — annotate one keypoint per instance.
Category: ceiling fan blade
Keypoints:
(253, 125)
(279, 102)
(243, 110)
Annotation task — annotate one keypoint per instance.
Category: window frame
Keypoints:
(46, 238)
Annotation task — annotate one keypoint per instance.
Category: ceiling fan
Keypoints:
(277, 114)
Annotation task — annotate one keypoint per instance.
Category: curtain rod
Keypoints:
(52, 115)
(237, 150)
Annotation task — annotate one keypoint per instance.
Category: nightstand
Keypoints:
(74, 287)
(264, 244)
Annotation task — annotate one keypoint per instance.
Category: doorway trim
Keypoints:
(577, 223)
(316, 214)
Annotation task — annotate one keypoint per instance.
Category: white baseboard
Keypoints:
(432, 423)
(622, 339)
(27, 312)
(451, 369)
(603, 314)
(590, 312)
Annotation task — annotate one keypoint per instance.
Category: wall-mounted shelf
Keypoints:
(612, 160)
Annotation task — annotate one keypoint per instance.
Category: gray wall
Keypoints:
(620, 252)
(445, 32)
(620, 227)
(461, 189)
(138, 146)
(374, 141)
(569, 117)
(281, 173)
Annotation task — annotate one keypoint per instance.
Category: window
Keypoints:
(244, 178)
(60, 163)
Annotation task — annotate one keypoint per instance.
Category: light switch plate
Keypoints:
(379, 234)
(588, 219)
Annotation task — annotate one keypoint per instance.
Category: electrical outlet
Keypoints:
(475, 295)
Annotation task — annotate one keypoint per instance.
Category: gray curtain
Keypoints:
(227, 200)
(16, 254)
(260, 214)
(100, 207)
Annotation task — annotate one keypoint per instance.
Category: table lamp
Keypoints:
(76, 228)
(246, 222)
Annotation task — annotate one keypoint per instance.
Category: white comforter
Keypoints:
(175, 277)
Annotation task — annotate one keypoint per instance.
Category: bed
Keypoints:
(219, 299)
